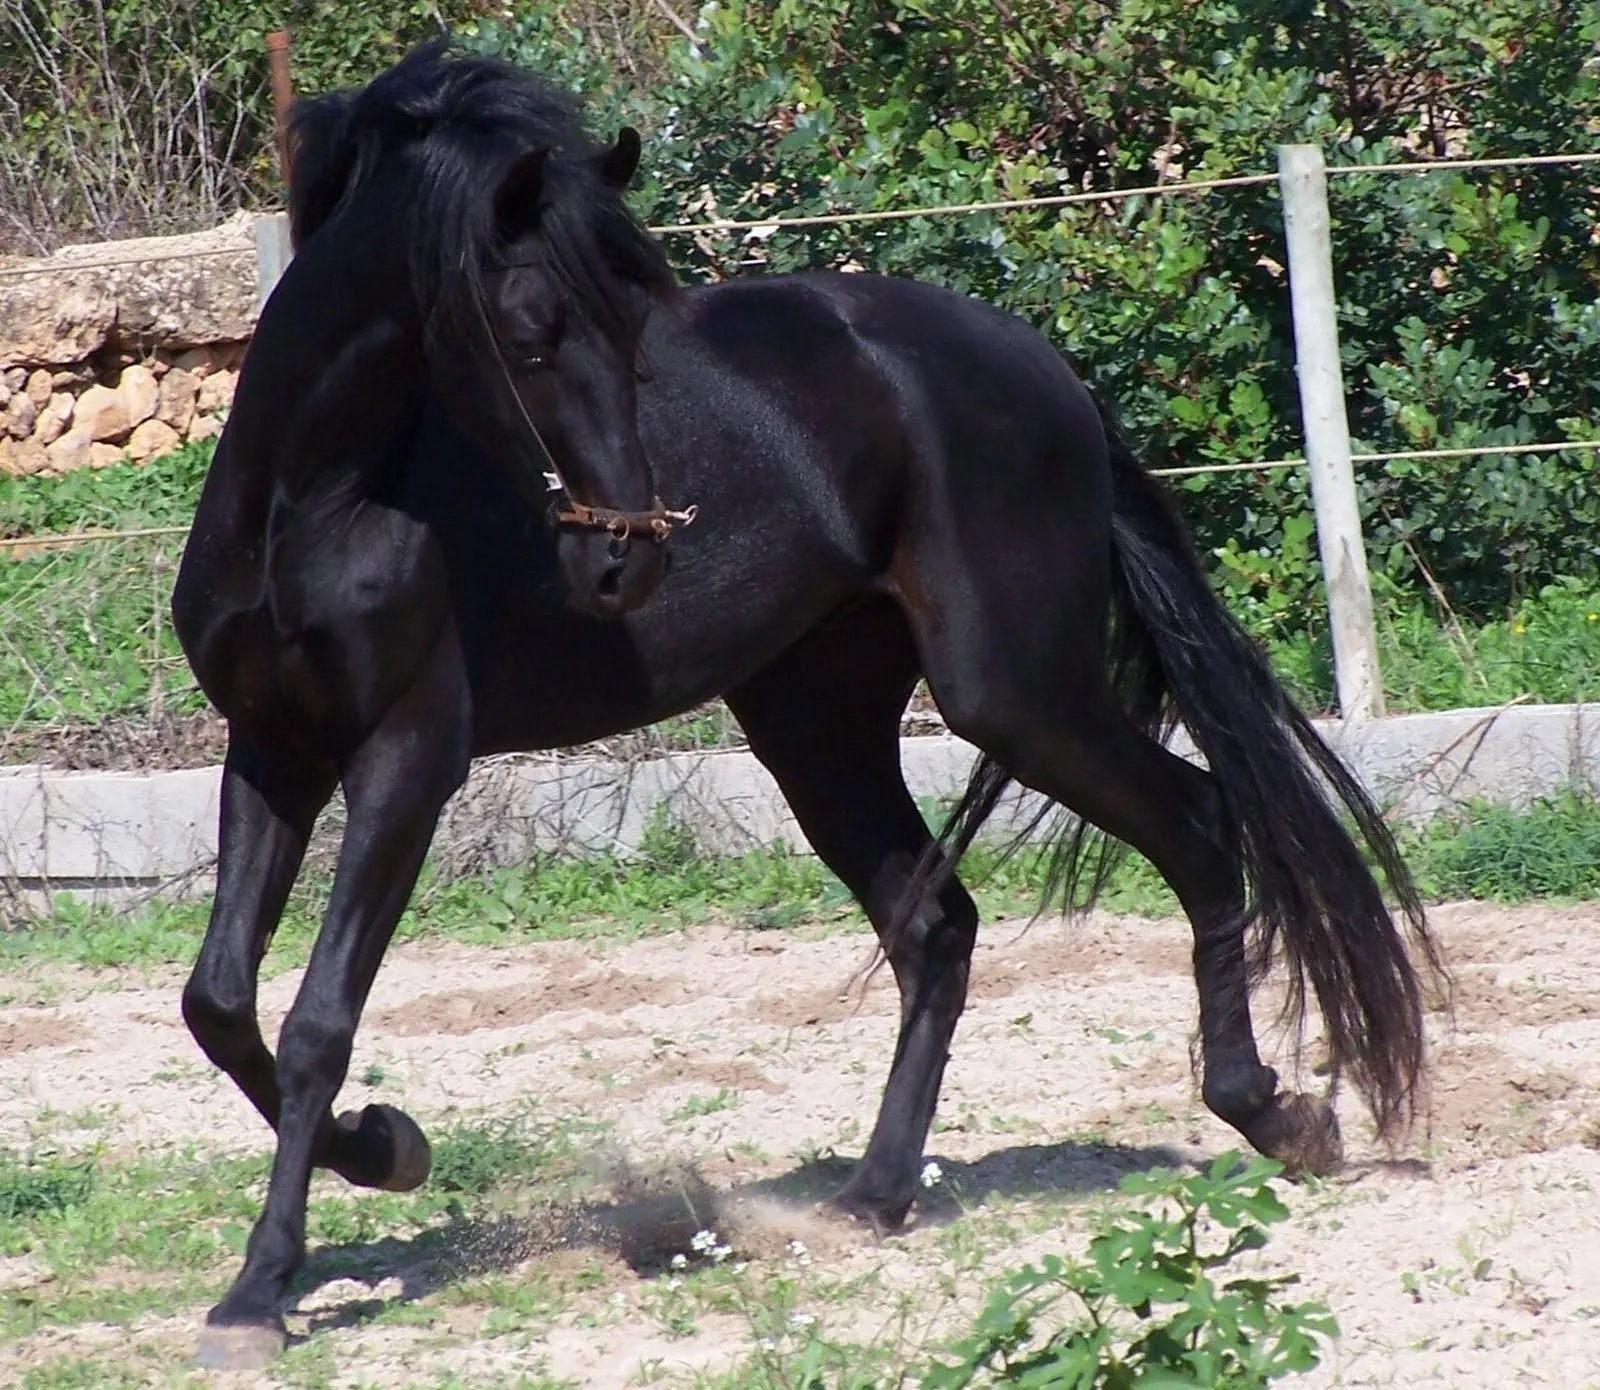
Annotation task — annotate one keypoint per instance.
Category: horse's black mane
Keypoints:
(466, 121)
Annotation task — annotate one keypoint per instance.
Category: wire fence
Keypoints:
(84, 639)
(1177, 188)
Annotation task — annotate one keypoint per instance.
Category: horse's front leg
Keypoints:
(395, 786)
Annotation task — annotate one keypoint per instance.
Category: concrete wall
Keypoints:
(98, 831)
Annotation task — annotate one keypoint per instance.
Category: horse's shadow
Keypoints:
(650, 1218)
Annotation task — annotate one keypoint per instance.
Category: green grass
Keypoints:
(124, 497)
(1547, 649)
(121, 1238)
(1550, 849)
(84, 633)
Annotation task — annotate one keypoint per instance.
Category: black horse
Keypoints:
(893, 482)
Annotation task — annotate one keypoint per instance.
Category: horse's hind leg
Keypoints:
(1049, 717)
(395, 786)
(825, 720)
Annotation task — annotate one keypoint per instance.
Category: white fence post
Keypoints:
(273, 252)
(1302, 179)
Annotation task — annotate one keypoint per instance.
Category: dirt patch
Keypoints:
(22, 1030)
(816, 1008)
(1483, 999)
(514, 1004)
(726, 1066)
(674, 1070)
(121, 745)
(1486, 1102)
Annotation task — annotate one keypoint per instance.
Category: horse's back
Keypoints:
(963, 377)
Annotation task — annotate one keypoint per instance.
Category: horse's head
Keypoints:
(531, 284)
(566, 302)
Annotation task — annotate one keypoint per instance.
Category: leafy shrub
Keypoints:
(1144, 1306)
(1468, 305)
(1467, 302)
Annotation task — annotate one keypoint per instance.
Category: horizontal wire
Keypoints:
(1483, 450)
(63, 538)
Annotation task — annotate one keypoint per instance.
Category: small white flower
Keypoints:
(680, 1261)
(704, 1242)
(720, 1252)
(801, 1320)
(797, 1248)
(932, 1174)
(619, 1299)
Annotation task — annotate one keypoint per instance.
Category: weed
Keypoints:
(697, 1106)
(1146, 1261)
(42, 1186)
(1550, 849)
(473, 1160)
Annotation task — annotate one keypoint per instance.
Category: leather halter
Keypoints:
(658, 521)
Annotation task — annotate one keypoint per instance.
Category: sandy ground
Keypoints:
(1470, 1257)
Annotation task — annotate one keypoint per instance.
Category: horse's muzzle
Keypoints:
(607, 575)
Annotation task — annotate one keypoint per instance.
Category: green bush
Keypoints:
(1468, 305)
(1468, 301)
(1145, 1307)
(1550, 849)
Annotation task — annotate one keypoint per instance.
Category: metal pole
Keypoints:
(1302, 178)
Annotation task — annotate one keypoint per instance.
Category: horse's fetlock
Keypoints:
(1237, 1092)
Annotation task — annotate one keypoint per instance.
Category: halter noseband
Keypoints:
(658, 521)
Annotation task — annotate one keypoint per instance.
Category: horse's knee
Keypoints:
(220, 1012)
(314, 1051)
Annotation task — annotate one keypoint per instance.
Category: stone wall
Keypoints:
(122, 350)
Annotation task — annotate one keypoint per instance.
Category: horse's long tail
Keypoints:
(1177, 654)
(1281, 788)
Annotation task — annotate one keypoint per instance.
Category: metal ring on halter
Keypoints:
(659, 521)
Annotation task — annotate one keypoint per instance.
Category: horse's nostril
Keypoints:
(611, 583)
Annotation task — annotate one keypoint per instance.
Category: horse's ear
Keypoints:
(516, 201)
(321, 159)
(617, 165)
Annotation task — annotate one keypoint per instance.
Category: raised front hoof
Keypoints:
(884, 1216)
(243, 1347)
(383, 1148)
(1302, 1133)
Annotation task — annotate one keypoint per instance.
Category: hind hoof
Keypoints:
(882, 1216)
(386, 1149)
(250, 1347)
(1302, 1133)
